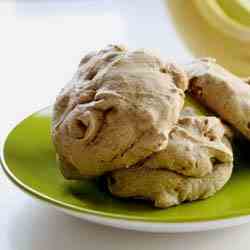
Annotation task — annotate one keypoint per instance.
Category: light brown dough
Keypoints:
(222, 92)
(197, 163)
(117, 110)
(166, 188)
(196, 143)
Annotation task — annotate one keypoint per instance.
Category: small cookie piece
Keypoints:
(222, 92)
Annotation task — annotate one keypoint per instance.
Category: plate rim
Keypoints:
(117, 221)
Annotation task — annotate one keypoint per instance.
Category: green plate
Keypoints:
(29, 160)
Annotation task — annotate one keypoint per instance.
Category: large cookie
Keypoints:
(117, 110)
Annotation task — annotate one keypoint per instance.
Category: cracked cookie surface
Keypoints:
(117, 110)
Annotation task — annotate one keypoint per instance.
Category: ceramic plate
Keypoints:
(28, 158)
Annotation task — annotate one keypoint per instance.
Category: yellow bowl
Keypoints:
(230, 17)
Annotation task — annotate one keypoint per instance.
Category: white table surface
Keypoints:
(41, 43)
